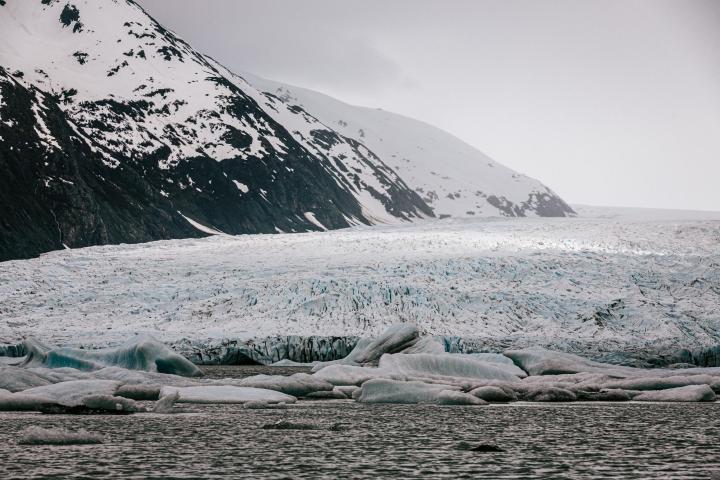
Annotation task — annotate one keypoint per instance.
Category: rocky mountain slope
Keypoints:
(115, 130)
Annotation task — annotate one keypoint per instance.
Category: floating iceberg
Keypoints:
(401, 337)
(537, 361)
(491, 393)
(139, 392)
(663, 383)
(73, 393)
(166, 404)
(395, 339)
(394, 391)
(20, 401)
(446, 368)
(349, 374)
(690, 393)
(291, 363)
(140, 353)
(499, 358)
(297, 385)
(226, 394)
(541, 362)
(111, 403)
(16, 379)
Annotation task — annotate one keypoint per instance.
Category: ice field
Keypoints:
(612, 279)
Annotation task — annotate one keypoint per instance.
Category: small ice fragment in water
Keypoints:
(112, 403)
(288, 425)
(166, 404)
(483, 447)
(45, 436)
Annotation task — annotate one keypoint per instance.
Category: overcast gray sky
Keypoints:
(608, 102)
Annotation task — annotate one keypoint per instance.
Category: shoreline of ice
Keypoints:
(398, 366)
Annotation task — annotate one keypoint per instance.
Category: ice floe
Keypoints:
(57, 436)
(491, 393)
(689, 393)
(226, 394)
(75, 391)
(382, 390)
(297, 385)
(16, 379)
(445, 368)
(140, 353)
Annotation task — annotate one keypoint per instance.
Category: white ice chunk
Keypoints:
(446, 367)
(348, 374)
(537, 361)
(74, 392)
(226, 394)
(297, 385)
(393, 391)
(396, 338)
(663, 383)
(426, 345)
(16, 379)
(139, 392)
(689, 393)
(109, 402)
(166, 404)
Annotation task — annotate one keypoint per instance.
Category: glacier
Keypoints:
(613, 285)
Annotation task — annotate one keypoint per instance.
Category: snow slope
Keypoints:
(612, 280)
(454, 178)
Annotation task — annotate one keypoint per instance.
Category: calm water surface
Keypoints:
(580, 440)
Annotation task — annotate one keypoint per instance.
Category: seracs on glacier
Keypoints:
(642, 283)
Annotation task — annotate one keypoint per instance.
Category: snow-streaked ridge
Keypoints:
(454, 178)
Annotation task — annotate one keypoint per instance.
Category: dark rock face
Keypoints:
(70, 195)
(544, 204)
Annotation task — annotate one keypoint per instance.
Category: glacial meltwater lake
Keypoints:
(551, 440)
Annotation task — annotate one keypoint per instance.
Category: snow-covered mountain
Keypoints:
(454, 178)
(115, 130)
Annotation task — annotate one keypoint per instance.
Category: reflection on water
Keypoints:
(598, 440)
